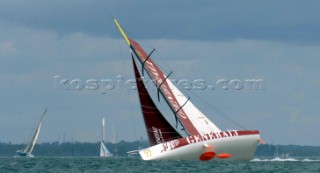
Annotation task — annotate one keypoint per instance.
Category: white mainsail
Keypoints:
(34, 139)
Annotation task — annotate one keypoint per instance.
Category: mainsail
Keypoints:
(192, 119)
(33, 141)
(158, 128)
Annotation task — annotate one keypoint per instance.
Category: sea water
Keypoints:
(118, 164)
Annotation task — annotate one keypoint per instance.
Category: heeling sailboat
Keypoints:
(104, 152)
(203, 140)
(29, 148)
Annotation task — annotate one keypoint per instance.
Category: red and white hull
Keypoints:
(229, 145)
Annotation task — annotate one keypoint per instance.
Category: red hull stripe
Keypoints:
(199, 138)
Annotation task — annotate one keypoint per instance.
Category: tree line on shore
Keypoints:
(120, 149)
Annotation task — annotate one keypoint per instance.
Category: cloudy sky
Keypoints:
(276, 41)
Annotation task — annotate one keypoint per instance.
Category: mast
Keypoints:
(103, 129)
(113, 134)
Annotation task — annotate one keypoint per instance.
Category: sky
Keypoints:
(45, 42)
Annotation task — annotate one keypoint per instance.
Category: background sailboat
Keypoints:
(104, 152)
(282, 157)
(29, 148)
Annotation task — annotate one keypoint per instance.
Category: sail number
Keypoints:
(148, 153)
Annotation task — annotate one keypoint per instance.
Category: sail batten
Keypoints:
(201, 122)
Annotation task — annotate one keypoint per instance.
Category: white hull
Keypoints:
(239, 147)
(20, 153)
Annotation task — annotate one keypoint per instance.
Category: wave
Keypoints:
(310, 160)
(284, 160)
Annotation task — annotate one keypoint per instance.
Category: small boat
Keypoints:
(104, 152)
(201, 139)
(276, 153)
(26, 152)
(282, 157)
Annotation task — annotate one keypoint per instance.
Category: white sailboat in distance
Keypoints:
(104, 152)
(203, 140)
(26, 152)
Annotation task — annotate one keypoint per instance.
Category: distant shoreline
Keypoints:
(121, 148)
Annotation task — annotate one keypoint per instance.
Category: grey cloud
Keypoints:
(292, 21)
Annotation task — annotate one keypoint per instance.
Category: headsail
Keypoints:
(158, 128)
(33, 141)
(104, 152)
(191, 118)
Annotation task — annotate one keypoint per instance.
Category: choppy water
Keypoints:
(95, 164)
